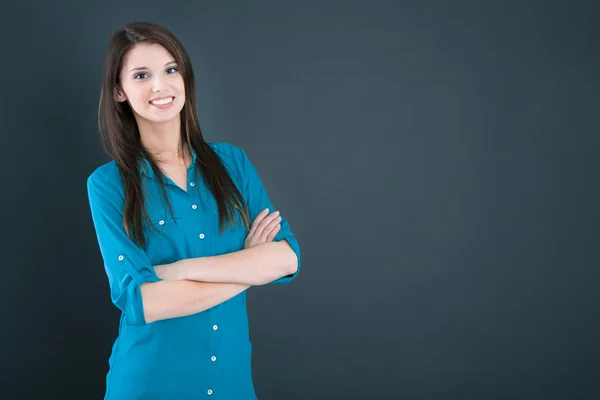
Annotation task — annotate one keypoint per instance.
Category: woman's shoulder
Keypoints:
(234, 157)
(226, 149)
(104, 172)
(105, 179)
(231, 154)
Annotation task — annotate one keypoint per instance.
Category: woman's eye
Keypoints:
(142, 74)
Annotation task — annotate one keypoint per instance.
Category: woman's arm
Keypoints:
(134, 286)
(257, 265)
(172, 299)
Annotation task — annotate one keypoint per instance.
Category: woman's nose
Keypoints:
(157, 85)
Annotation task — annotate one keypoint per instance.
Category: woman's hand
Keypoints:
(264, 229)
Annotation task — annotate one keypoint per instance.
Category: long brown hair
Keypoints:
(121, 137)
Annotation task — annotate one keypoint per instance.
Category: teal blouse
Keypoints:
(201, 356)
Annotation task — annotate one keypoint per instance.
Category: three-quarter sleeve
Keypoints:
(127, 265)
(258, 200)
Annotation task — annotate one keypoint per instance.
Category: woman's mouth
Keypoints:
(163, 102)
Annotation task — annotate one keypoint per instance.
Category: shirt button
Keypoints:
(192, 184)
(215, 327)
(213, 358)
(202, 236)
(209, 391)
(194, 206)
(161, 222)
(120, 258)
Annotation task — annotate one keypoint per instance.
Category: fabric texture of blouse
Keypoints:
(206, 355)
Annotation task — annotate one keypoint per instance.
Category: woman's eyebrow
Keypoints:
(136, 69)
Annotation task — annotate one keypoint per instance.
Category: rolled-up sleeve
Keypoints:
(127, 265)
(258, 200)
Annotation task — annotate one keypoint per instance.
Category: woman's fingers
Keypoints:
(274, 233)
(259, 218)
(263, 221)
(266, 232)
(264, 228)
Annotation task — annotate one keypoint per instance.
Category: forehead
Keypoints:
(150, 55)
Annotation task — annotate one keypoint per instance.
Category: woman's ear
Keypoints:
(119, 95)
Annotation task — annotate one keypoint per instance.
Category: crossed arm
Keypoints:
(195, 284)
(257, 265)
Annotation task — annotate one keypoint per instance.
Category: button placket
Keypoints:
(213, 359)
(195, 207)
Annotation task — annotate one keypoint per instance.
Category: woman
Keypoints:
(172, 216)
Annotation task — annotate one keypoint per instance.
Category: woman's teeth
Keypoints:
(162, 101)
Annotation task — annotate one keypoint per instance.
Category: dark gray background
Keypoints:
(437, 162)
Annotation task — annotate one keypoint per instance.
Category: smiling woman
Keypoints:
(172, 215)
(161, 80)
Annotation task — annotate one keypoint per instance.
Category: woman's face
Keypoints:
(151, 83)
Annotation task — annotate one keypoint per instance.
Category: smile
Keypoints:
(162, 102)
